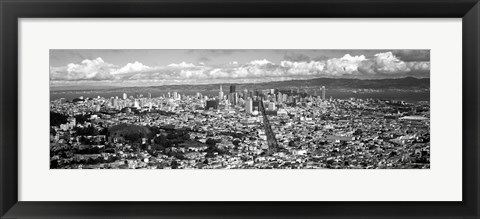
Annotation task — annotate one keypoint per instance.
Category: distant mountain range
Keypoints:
(330, 83)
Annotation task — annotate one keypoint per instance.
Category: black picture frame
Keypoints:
(12, 10)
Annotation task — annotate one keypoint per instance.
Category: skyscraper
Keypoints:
(115, 102)
(149, 95)
(124, 96)
(279, 97)
(211, 104)
(233, 98)
(232, 89)
(220, 93)
(249, 105)
(323, 92)
(271, 106)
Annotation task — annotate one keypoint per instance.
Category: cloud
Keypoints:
(260, 62)
(132, 67)
(380, 65)
(346, 65)
(95, 69)
(181, 65)
(303, 67)
(388, 64)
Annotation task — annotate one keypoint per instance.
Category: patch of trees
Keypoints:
(98, 160)
(56, 119)
(82, 118)
(233, 134)
(52, 131)
(88, 150)
(176, 154)
(212, 142)
(133, 136)
(172, 138)
(154, 130)
(236, 142)
(88, 131)
(212, 148)
(163, 113)
(131, 133)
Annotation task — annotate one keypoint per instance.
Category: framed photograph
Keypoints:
(255, 109)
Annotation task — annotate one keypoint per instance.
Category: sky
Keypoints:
(165, 67)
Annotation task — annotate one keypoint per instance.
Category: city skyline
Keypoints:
(239, 129)
(168, 67)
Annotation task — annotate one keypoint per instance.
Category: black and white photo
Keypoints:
(239, 109)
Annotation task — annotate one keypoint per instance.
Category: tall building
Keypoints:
(212, 104)
(124, 96)
(279, 97)
(220, 93)
(271, 106)
(149, 95)
(232, 89)
(233, 98)
(249, 105)
(323, 92)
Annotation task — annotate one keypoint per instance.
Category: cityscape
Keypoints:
(355, 120)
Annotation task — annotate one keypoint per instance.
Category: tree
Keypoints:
(80, 119)
(291, 144)
(174, 164)
(52, 131)
(56, 119)
(211, 142)
(236, 142)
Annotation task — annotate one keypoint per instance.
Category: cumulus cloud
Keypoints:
(95, 69)
(388, 64)
(385, 64)
(346, 65)
(260, 62)
(132, 67)
(303, 67)
(181, 65)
